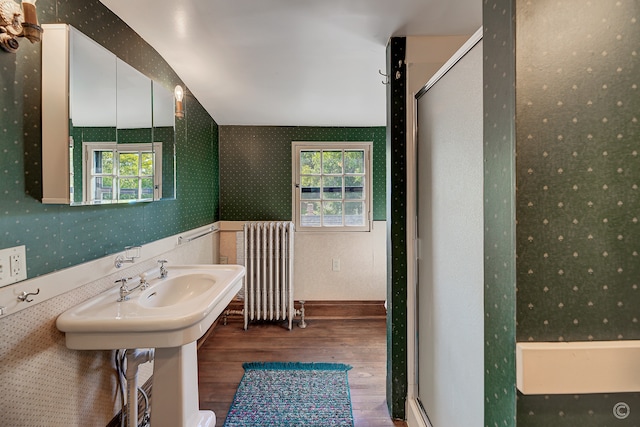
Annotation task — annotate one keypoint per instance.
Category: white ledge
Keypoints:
(58, 282)
(578, 367)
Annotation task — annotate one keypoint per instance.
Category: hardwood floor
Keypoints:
(360, 343)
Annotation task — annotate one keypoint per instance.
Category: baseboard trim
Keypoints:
(319, 309)
(344, 309)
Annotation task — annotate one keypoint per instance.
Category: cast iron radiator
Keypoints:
(268, 258)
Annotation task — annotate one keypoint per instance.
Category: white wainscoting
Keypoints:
(362, 257)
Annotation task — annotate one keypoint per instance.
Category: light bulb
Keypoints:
(179, 93)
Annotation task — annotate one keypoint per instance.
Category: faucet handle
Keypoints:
(143, 281)
(163, 270)
(123, 281)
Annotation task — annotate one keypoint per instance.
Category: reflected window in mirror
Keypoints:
(121, 173)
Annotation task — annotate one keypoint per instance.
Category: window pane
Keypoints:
(103, 188)
(103, 162)
(129, 164)
(354, 161)
(128, 189)
(147, 188)
(354, 213)
(354, 187)
(332, 214)
(309, 187)
(332, 162)
(332, 187)
(147, 164)
(310, 162)
(310, 214)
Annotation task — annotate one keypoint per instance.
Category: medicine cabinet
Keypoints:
(108, 131)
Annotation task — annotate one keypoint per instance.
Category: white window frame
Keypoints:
(297, 147)
(89, 147)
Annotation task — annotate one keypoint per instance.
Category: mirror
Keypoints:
(164, 136)
(92, 75)
(121, 137)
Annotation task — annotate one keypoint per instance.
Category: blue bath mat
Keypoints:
(284, 394)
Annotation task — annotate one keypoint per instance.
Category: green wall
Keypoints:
(578, 202)
(59, 236)
(255, 168)
(561, 193)
(397, 228)
(499, 214)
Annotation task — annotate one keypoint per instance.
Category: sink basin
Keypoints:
(177, 290)
(171, 312)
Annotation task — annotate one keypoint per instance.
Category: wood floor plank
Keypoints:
(360, 343)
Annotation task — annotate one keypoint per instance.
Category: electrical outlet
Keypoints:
(13, 265)
(15, 262)
(335, 265)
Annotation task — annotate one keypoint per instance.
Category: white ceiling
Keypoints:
(289, 62)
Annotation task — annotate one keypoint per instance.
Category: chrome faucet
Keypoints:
(124, 289)
(163, 270)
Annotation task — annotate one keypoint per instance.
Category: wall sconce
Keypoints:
(18, 21)
(179, 94)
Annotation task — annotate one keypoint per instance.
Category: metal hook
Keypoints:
(24, 296)
(384, 75)
(398, 73)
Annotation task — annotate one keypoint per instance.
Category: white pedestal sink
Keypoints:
(170, 315)
(175, 377)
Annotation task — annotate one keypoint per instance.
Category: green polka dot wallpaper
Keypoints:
(255, 168)
(578, 174)
(499, 214)
(59, 236)
(578, 201)
(396, 228)
(566, 74)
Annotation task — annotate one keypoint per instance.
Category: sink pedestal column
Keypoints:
(174, 395)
